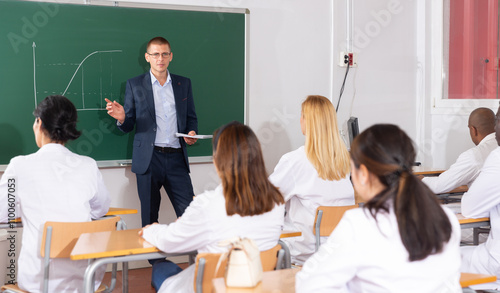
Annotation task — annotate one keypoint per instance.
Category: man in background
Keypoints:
(468, 165)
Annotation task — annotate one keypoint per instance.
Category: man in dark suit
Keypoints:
(159, 104)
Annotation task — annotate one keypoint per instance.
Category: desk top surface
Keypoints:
(286, 234)
(111, 212)
(120, 211)
(469, 279)
(121, 242)
(110, 244)
(272, 282)
(284, 281)
(464, 220)
(418, 170)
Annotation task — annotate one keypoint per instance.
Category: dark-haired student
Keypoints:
(401, 240)
(52, 184)
(246, 204)
(483, 200)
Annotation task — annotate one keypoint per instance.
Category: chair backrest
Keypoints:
(59, 238)
(65, 234)
(206, 263)
(327, 218)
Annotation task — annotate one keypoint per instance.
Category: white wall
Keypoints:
(392, 83)
(382, 88)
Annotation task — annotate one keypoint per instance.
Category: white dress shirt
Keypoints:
(304, 191)
(205, 223)
(52, 184)
(465, 170)
(166, 114)
(483, 200)
(367, 255)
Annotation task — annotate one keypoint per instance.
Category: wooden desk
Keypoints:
(427, 172)
(120, 246)
(437, 172)
(466, 223)
(286, 234)
(114, 247)
(111, 212)
(120, 211)
(272, 282)
(468, 279)
(110, 244)
(284, 281)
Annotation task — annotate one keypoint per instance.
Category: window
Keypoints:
(464, 55)
(471, 49)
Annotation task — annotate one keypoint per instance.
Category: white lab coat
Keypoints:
(52, 184)
(304, 192)
(466, 168)
(483, 200)
(205, 223)
(367, 255)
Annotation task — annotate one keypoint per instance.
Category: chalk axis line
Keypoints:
(71, 80)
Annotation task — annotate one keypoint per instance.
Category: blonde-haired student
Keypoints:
(316, 174)
(401, 240)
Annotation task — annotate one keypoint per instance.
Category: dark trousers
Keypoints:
(170, 171)
(162, 270)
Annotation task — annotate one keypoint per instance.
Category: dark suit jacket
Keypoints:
(140, 111)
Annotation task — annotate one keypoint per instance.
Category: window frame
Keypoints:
(440, 104)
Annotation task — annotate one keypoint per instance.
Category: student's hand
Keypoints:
(420, 176)
(190, 141)
(145, 227)
(115, 110)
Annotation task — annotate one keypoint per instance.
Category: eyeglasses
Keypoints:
(157, 55)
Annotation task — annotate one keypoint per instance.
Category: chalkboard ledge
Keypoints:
(128, 163)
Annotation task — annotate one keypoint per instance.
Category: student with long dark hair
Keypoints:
(53, 184)
(401, 240)
(246, 204)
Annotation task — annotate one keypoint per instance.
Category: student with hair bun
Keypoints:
(53, 184)
(401, 240)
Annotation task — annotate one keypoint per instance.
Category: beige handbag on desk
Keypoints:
(244, 267)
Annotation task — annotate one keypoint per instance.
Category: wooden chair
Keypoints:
(206, 263)
(327, 218)
(58, 241)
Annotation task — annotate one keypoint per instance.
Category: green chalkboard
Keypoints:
(88, 52)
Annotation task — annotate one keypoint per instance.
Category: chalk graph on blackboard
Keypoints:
(86, 86)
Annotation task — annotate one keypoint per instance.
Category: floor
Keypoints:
(139, 280)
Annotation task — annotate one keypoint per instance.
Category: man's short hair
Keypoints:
(158, 41)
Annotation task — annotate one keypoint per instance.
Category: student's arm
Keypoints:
(99, 204)
(190, 232)
(335, 263)
(484, 194)
(462, 172)
(282, 178)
